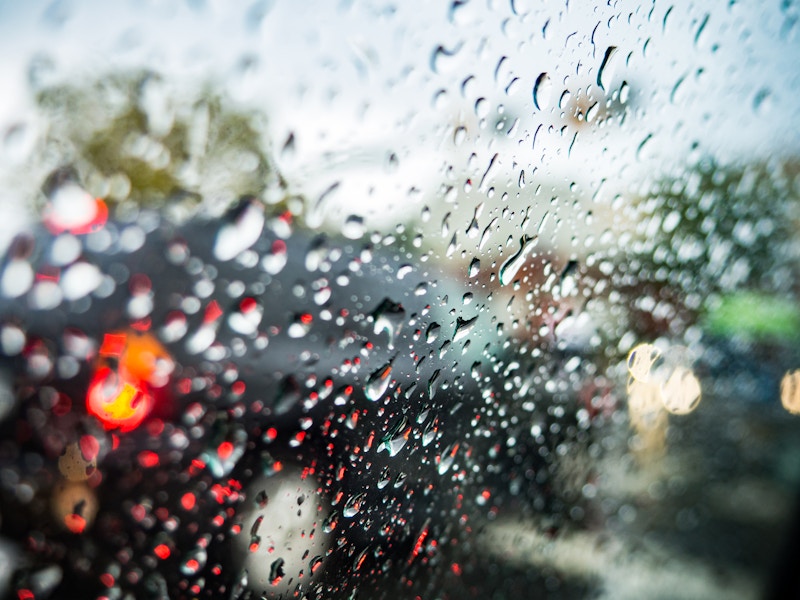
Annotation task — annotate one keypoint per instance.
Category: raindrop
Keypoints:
(389, 316)
(174, 328)
(542, 91)
(17, 278)
(512, 265)
(430, 431)
(432, 334)
(247, 317)
(353, 505)
(444, 59)
(353, 227)
(474, 267)
(384, 478)
(378, 382)
(606, 71)
(80, 280)
(463, 328)
(12, 340)
(275, 260)
(396, 438)
(330, 523)
(681, 392)
(242, 228)
(445, 460)
(300, 326)
(276, 572)
(194, 562)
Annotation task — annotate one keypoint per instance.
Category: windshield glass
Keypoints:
(399, 300)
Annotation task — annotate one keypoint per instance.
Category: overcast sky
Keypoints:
(356, 81)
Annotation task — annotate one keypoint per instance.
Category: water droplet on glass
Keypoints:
(80, 280)
(275, 260)
(432, 333)
(606, 71)
(378, 382)
(474, 267)
(330, 523)
(542, 90)
(12, 340)
(445, 460)
(353, 505)
(512, 265)
(194, 562)
(641, 360)
(444, 59)
(17, 278)
(247, 316)
(241, 229)
(463, 328)
(389, 316)
(680, 393)
(300, 326)
(384, 478)
(276, 572)
(396, 438)
(790, 392)
(353, 227)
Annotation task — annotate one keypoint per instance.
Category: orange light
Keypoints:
(146, 360)
(75, 523)
(121, 397)
(117, 403)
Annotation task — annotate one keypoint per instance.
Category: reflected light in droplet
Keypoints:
(790, 392)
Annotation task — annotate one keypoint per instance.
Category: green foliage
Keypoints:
(129, 136)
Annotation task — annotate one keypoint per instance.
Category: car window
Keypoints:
(399, 300)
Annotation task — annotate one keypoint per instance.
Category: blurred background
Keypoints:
(376, 300)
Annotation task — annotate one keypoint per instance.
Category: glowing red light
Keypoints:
(213, 312)
(75, 523)
(224, 450)
(121, 397)
(148, 459)
(188, 501)
(90, 447)
(118, 404)
(162, 551)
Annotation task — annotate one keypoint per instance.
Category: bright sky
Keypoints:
(356, 82)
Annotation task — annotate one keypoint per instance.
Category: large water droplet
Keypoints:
(542, 90)
(463, 327)
(444, 59)
(242, 228)
(353, 505)
(606, 71)
(397, 437)
(378, 382)
(513, 264)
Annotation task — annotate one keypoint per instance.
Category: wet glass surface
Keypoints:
(371, 300)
